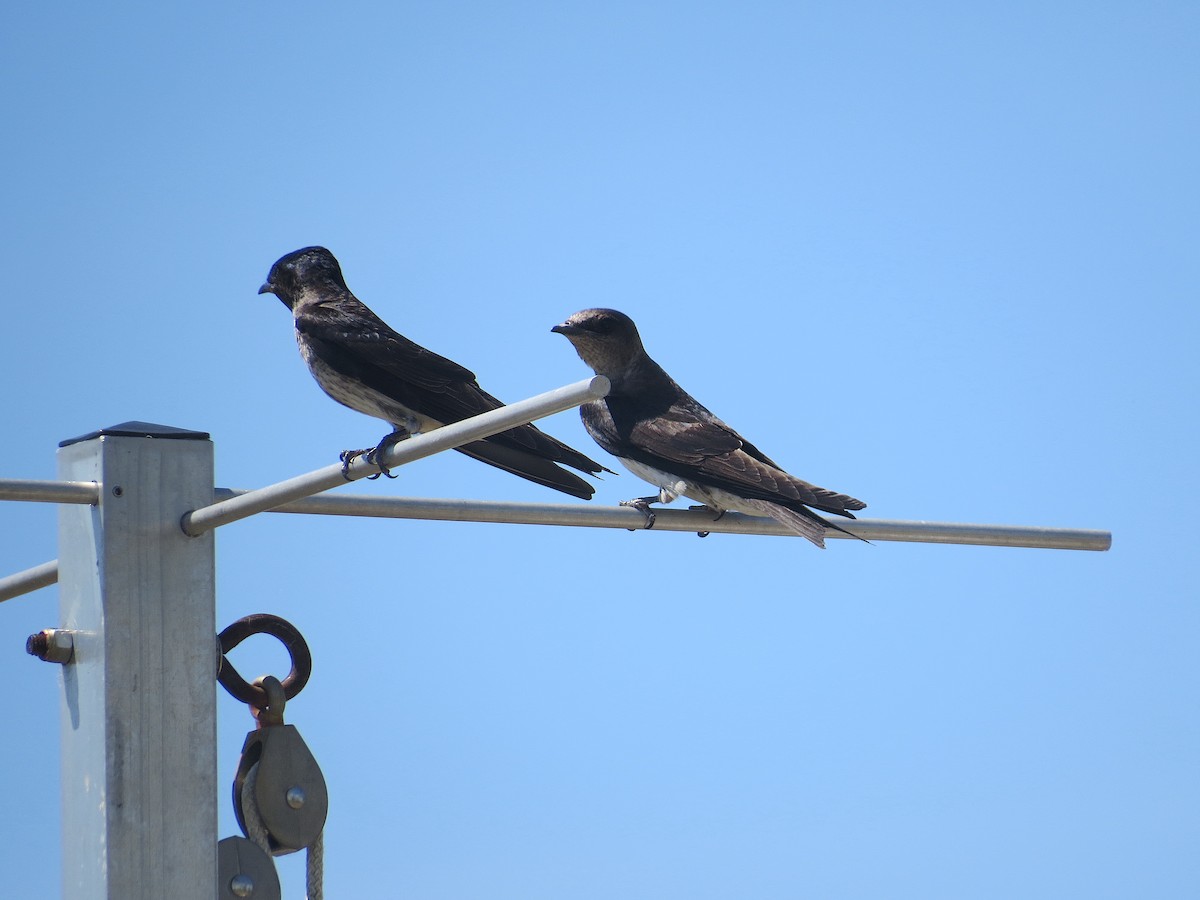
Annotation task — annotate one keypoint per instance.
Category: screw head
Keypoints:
(295, 797)
(117, 490)
(241, 885)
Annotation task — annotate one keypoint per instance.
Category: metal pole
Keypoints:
(452, 510)
(30, 580)
(49, 491)
(666, 519)
(200, 520)
(139, 695)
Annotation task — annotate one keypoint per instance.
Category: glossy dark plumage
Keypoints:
(663, 435)
(364, 364)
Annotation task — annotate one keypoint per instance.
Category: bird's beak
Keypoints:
(565, 329)
(266, 289)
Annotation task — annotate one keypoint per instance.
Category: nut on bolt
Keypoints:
(52, 645)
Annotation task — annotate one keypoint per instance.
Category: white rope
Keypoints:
(256, 830)
(314, 869)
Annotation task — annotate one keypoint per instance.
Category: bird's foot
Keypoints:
(347, 457)
(375, 456)
(642, 505)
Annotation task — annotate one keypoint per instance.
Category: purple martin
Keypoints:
(662, 435)
(362, 363)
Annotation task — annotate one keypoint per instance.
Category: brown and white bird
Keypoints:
(661, 434)
(362, 363)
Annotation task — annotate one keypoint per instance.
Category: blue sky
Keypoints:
(937, 256)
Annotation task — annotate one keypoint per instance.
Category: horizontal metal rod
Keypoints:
(30, 580)
(445, 438)
(451, 510)
(50, 491)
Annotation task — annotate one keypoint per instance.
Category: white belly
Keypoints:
(672, 486)
(669, 486)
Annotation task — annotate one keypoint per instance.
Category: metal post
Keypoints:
(139, 705)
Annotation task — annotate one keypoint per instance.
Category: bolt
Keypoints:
(117, 490)
(52, 645)
(295, 797)
(241, 885)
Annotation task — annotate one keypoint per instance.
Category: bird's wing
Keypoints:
(360, 339)
(688, 440)
(359, 344)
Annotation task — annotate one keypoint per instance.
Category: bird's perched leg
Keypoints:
(375, 454)
(642, 505)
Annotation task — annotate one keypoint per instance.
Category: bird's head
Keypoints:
(605, 339)
(300, 269)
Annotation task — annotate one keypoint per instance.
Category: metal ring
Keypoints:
(272, 713)
(288, 635)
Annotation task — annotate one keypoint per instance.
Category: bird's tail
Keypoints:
(529, 466)
(805, 523)
(827, 500)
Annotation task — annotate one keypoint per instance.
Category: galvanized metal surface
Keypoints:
(667, 519)
(29, 580)
(222, 513)
(139, 700)
(452, 510)
(49, 491)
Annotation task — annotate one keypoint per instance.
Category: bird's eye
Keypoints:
(601, 326)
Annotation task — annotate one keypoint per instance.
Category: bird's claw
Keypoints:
(347, 457)
(374, 457)
(642, 505)
(717, 518)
